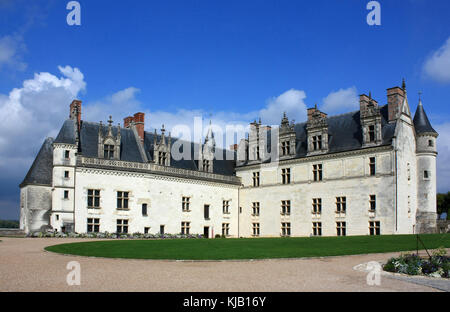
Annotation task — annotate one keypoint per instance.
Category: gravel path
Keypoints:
(25, 266)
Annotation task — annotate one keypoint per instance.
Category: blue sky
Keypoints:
(225, 60)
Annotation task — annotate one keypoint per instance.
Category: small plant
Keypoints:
(438, 265)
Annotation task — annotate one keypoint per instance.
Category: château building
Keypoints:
(367, 172)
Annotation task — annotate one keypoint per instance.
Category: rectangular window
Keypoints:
(286, 229)
(185, 226)
(317, 142)
(108, 151)
(66, 174)
(285, 148)
(373, 202)
(372, 166)
(206, 212)
(255, 227)
(286, 175)
(161, 229)
(67, 154)
(426, 174)
(144, 209)
(285, 207)
(122, 200)
(255, 209)
(341, 229)
(185, 203)
(317, 206)
(372, 133)
(146, 230)
(317, 172)
(255, 178)
(374, 228)
(93, 199)
(122, 226)
(226, 207)
(317, 228)
(66, 194)
(93, 225)
(162, 158)
(206, 165)
(225, 229)
(341, 204)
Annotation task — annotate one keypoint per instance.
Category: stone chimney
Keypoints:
(366, 101)
(75, 111)
(139, 121)
(127, 121)
(315, 112)
(395, 97)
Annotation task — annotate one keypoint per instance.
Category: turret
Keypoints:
(426, 170)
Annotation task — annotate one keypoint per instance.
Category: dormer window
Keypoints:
(317, 142)
(108, 151)
(285, 148)
(372, 133)
(206, 165)
(162, 157)
(108, 143)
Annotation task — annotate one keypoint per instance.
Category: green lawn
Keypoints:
(243, 248)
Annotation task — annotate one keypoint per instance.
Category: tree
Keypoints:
(443, 203)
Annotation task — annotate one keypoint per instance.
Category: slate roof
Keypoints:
(41, 169)
(67, 134)
(421, 122)
(345, 134)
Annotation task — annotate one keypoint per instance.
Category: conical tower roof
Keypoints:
(421, 122)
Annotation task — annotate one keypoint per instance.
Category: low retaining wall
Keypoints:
(11, 232)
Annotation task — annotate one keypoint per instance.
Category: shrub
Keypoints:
(438, 265)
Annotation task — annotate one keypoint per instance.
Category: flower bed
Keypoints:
(438, 265)
(116, 235)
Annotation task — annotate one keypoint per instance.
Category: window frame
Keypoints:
(124, 200)
(92, 223)
(94, 197)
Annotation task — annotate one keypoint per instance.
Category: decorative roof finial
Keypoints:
(110, 120)
(404, 85)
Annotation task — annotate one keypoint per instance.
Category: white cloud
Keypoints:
(341, 101)
(437, 66)
(11, 49)
(34, 111)
(443, 158)
(291, 102)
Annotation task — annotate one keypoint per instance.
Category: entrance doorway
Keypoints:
(206, 232)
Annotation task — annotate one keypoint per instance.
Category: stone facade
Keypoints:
(363, 173)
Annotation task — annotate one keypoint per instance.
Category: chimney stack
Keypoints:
(395, 97)
(75, 110)
(315, 112)
(127, 121)
(139, 123)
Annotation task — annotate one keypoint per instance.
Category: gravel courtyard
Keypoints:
(25, 266)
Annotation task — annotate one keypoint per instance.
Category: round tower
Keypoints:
(426, 214)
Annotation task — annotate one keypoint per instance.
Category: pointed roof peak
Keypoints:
(421, 122)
